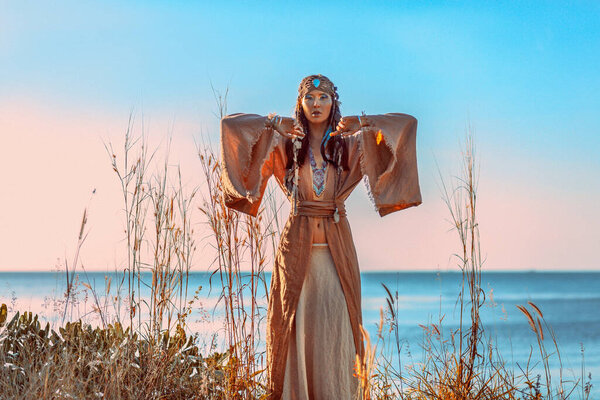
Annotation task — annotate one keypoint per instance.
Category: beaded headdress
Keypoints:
(317, 82)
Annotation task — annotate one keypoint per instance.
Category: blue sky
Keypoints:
(523, 74)
(534, 63)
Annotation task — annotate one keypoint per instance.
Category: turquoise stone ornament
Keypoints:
(316, 82)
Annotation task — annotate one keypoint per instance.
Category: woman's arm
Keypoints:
(388, 158)
(247, 143)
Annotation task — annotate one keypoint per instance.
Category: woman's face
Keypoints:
(317, 106)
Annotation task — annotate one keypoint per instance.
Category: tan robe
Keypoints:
(251, 153)
(321, 352)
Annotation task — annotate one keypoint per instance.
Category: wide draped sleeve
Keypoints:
(247, 145)
(389, 161)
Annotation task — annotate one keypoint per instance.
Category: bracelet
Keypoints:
(272, 121)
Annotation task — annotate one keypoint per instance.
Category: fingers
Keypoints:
(289, 128)
(293, 135)
(344, 134)
(341, 127)
(347, 126)
(338, 131)
(296, 132)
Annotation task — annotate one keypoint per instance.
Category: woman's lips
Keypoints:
(316, 113)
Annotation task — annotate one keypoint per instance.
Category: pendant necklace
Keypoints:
(318, 174)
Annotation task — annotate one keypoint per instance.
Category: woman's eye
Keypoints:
(324, 97)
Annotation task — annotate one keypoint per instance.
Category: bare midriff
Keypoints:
(327, 195)
(318, 231)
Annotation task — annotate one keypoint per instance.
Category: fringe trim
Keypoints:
(255, 195)
(363, 169)
(252, 144)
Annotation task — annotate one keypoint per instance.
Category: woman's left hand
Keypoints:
(348, 126)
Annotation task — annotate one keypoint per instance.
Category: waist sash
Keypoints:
(321, 209)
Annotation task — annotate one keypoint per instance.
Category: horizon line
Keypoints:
(494, 270)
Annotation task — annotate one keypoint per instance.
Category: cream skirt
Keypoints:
(321, 352)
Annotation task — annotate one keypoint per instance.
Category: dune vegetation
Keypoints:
(143, 347)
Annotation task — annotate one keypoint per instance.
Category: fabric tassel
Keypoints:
(297, 145)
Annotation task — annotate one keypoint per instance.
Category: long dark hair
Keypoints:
(333, 149)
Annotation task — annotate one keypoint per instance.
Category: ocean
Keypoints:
(569, 301)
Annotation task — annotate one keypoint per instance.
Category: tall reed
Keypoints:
(159, 237)
(244, 247)
(464, 363)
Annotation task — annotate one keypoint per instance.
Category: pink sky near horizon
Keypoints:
(54, 157)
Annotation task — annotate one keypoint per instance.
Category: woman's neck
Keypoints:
(317, 131)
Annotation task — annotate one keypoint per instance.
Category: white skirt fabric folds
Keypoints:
(321, 352)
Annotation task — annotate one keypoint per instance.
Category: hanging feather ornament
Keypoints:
(297, 144)
(338, 156)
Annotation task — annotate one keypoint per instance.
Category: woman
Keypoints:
(314, 316)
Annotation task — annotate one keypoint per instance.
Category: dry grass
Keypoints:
(152, 357)
(465, 364)
(243, 247)
(142, 350)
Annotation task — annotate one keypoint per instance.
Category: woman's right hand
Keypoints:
(287, 127)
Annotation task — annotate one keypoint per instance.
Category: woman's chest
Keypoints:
(317, 182)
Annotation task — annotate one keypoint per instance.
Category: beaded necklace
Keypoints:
(318, 174)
